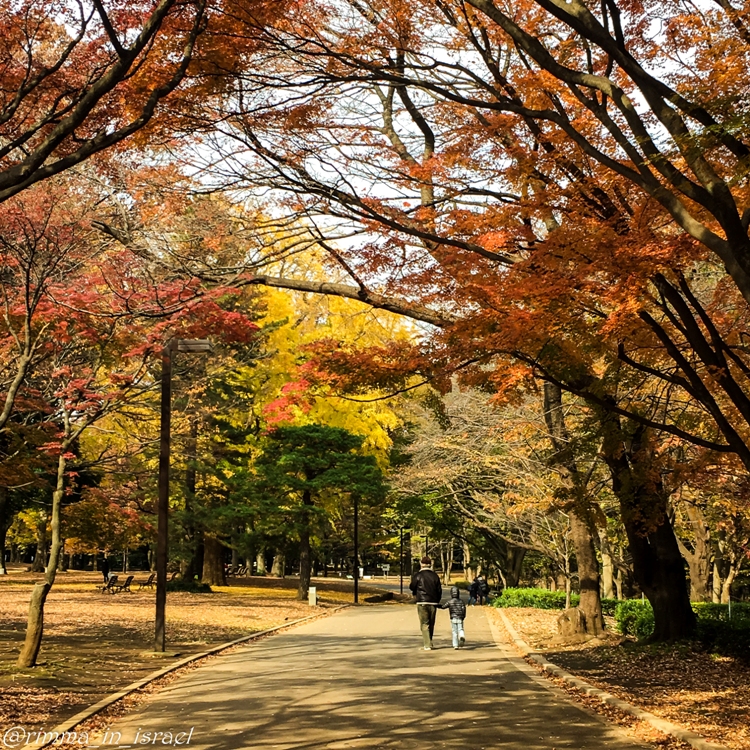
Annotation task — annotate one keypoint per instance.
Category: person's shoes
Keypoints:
(456, 648)
(427, 648)
(461, 641)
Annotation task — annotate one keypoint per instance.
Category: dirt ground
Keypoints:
(96, 643)
(706, 693)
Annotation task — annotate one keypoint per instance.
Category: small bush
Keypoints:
(192, 587)
(609, 606)
(715, 630)
(634, 617)
(539, 598)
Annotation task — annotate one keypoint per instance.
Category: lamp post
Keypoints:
(162, 507)
(401, 558)
(356, 549)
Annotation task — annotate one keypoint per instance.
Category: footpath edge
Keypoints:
(70, 724)
(662, 725)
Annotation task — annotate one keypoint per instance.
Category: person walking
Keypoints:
(474, 591)
(425, 585)
(484, 590)
(105, 569)
(457, 611)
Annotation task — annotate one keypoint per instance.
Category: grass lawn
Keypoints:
(96, 643)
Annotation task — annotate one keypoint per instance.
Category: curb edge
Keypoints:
(662, 725)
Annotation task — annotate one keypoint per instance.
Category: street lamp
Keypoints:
(356, 548)
(162, 508)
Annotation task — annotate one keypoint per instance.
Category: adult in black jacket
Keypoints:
(425, 585)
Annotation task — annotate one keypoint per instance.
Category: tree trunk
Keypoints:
(305, 563)
(588, 573)
(35, 625)
(447, 560)
(658, 566)
(608, 566)
(699, 559)
(278, 565)
(468, 570)
(716, 585)
(213, 561)
(260, 562)
(515, 557)
(582, 527)
(40, 557)
(4, 525)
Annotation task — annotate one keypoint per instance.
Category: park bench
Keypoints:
(241, 571)
(124, 586)
(147, 584)
(109, 586)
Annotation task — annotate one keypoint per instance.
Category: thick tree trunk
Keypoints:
(515, 557)
(35, 625)
(582, 526)
(588, 573)
(278, 565)
(213, 561)
(658, 566)
(260, 562)
(305, 562)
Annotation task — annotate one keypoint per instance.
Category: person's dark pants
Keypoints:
(427, 614)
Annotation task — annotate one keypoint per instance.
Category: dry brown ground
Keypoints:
(96, 643)
(706, 693)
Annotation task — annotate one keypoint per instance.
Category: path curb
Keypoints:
(87, 713)
(664, 726)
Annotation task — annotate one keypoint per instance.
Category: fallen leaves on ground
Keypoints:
(691, 687)
(96, 643)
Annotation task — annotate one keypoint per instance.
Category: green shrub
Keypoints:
(539, 598)
(715, 630)
(609, 606)
(634, 617)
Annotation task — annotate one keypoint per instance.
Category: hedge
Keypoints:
(544, 599)
(716, 630)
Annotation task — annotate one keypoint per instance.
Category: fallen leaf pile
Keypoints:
(683, 683)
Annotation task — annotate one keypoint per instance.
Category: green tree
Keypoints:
(305, 467)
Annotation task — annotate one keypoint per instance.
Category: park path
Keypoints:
(360, 679)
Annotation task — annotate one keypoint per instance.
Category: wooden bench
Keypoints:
(109, 587)
(148, 584)
(124, 586)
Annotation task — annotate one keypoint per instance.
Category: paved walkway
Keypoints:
(360, 679)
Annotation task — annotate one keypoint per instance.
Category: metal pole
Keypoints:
(162, 512)
(401, 560)
(356, 549)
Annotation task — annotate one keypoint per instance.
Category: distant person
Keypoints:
(425, 585)
(457, 610)
(105, 569)
(484, 590)
(474, 591)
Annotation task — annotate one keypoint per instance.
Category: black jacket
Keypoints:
(426, 587)
(454, 605)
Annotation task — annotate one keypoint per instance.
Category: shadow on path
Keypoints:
(360, 679)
